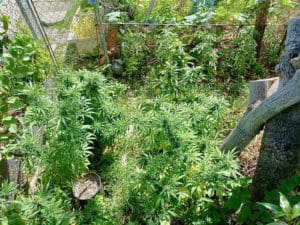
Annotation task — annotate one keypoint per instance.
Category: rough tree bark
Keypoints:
(254, 119)
(279, 154)
(10, 171)
(261, 24)
(280, 112)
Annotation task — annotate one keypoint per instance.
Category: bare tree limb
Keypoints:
(251, 123)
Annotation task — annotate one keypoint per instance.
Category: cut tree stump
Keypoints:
(260, 90)
(252, 122)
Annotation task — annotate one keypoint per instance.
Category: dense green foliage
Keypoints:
(23, 63)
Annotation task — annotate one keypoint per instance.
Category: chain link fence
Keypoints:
(48, 20)
(10, 8)
(55, 17)
(70, 32)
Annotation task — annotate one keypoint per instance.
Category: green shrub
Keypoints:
(45, 207)
(24, 62)
(168, 169)
(205, 52)
(237, 61)
(173, 73)
(135, 54)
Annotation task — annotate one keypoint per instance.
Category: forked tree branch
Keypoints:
(251, 123)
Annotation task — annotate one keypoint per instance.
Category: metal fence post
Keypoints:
(100, 20)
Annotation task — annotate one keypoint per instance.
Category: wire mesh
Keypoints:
(48, 20)
(11, 9)
(55, 17)
(53, 21)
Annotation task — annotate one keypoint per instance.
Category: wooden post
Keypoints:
(260, 90)
(100, 19)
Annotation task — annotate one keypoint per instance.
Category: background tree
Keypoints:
(261, 24)
(279, 153)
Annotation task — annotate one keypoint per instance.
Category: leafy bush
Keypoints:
(163, 11)
(135, 54)
(97, 212)
(46, 207)
(106, 116)
(173, 73)
(23, 63)
(205, 52)
(168, 168)
(53, 133)
(237, 61)
(66, 129)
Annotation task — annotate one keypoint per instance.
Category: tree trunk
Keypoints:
(258, 114)
(150, 7)
(10, 171)
(280, 150)
(260, 25)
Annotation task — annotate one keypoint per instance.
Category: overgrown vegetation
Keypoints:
(152, 133)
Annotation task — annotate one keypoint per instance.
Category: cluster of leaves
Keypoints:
(163, 11)
(167, 168)
(243, 12)
(173, 72)
(58, 138)
(203, 11)
(232, 59)
(24, 62)
(238, 61)
(283, 212)
(174, 61)
(160, 60)
(279, 207)
(135, 54)
(46, 207)
(59, 135)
